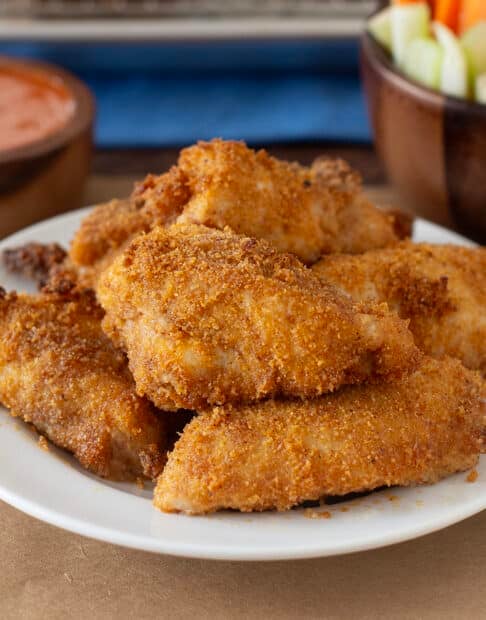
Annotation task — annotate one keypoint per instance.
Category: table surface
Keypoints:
(47, 572)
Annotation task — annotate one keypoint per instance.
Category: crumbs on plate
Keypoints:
(310, 513)
(43, 443)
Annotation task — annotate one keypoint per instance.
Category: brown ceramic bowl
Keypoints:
(433, 146)
(46, 176)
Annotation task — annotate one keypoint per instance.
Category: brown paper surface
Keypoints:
(49, 573)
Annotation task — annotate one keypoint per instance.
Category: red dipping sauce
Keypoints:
(33, 105)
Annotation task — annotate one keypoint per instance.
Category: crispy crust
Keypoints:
(110, 227)
(278, 454)
(60, 372)
(260, 196)
(209, 317)
(338, 174)
(162, 198)
(305, 211)
(103, 234)
(106, 227)
(402, 223)
(441, 289)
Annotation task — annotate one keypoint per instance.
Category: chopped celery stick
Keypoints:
(474, 43)
(481, 88)
(408, 22)
(380, 27)
(454, 74)
(423, 62)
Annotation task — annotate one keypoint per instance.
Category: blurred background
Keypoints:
(165, 73)
(283, 74)
(169, 72)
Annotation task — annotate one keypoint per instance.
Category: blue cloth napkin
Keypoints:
(174, 95)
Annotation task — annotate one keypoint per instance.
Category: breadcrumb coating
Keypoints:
(441, 289)
(108, 228)
(104, 230)
(102, 235)
(277, 454)
(361, 225)
(305, 211)
(59, 372)
(300, 210)
(209, 317)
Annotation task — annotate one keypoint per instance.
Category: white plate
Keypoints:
(52, 487)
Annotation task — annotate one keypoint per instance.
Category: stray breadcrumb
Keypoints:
(34, 260)
(472, 476)
(310, 513)
(43, 443)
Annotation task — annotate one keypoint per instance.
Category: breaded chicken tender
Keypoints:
(105, 229)
(59, 372)
(305, 211)
(440, 288)
(108, 228)
(209, 317)
(277, 454)
(104, 233)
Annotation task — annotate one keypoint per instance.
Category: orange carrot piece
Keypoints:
(472, 12)
(447, 12)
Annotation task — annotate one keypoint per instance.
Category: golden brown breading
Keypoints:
(208, 316)
(306, 211)
(61, 373)
(440, 288)
(300, 210)
(277, 454)
(361, 225)
(34, 260)
(106, 231)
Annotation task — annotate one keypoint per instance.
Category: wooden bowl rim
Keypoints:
(81, 120)
(384, 66)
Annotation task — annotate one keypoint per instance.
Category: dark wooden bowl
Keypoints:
(46, 177)
(433, 146)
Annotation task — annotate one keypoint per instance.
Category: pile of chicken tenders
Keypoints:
(251, 334)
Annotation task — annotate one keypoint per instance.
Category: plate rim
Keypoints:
(229, 553)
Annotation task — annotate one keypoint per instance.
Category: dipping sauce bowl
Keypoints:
(46, 126)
